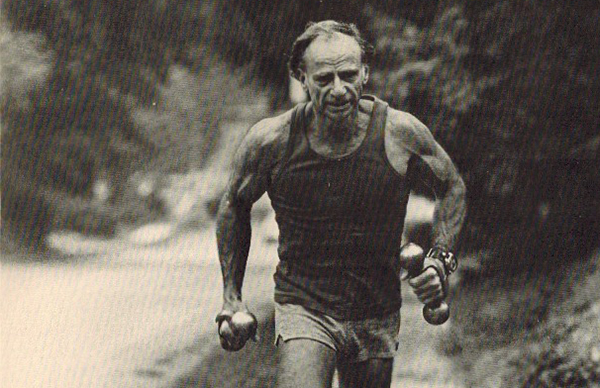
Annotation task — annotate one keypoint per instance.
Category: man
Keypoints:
(338, 171)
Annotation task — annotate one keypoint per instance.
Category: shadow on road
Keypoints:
(253, 366)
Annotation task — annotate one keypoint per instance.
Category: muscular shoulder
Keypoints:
(406, 131)
(406, 136)
(258, 154)
(267, 139)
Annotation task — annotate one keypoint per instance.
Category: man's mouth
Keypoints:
(340, 106)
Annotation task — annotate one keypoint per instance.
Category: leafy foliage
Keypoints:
(507, 89)
(531, 329)
(98, 90)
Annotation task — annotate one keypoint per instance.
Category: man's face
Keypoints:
(334, 75)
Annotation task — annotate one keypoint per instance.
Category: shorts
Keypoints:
(353, 341)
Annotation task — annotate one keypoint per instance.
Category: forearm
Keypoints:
(449, 215)
(233, 241)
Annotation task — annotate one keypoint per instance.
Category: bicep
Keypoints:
(430, 163)
(435, 169)
(248, 180)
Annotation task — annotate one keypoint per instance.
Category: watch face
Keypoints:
(451, 263)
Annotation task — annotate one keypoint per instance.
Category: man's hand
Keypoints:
(236, 328)
(428, 287)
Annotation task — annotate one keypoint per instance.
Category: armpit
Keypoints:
(408, 139)
(405, 137)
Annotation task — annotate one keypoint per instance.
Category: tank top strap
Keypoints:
(376, 131)
(297, 124)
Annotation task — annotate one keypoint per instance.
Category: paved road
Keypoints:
(122, 317)
(116, 315)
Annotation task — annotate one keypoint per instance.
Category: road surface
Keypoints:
(114, 314)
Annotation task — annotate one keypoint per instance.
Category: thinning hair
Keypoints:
(324, 28)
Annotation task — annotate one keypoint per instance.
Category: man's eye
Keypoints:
(349, 75)
(323, 80)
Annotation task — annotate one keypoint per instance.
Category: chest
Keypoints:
(360, 187)
(338, 141)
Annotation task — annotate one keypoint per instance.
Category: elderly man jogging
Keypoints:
(338, 171)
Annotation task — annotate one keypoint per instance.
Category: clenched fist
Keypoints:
(235, 329)
(428, 287)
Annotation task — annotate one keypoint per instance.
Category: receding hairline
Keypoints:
(332, 35)
(326, 30)
(325, 38)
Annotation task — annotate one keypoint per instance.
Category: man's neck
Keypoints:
(336, 131)
(336, 137)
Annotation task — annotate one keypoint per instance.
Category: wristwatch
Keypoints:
(446, 257)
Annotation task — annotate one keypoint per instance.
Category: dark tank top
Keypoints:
(340, 224)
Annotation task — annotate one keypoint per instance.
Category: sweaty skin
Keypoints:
(255, 162)
(258, 160)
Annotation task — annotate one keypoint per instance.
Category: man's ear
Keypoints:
(365, 70)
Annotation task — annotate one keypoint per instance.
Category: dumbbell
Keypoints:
(412, 258)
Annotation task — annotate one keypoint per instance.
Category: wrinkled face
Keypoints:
(334, 75)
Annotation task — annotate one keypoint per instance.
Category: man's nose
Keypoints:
(338, 87)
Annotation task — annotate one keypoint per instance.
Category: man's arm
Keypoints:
(253, 163)
(426, 161)
(432, 166)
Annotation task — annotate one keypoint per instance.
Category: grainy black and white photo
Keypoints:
(317, 193)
